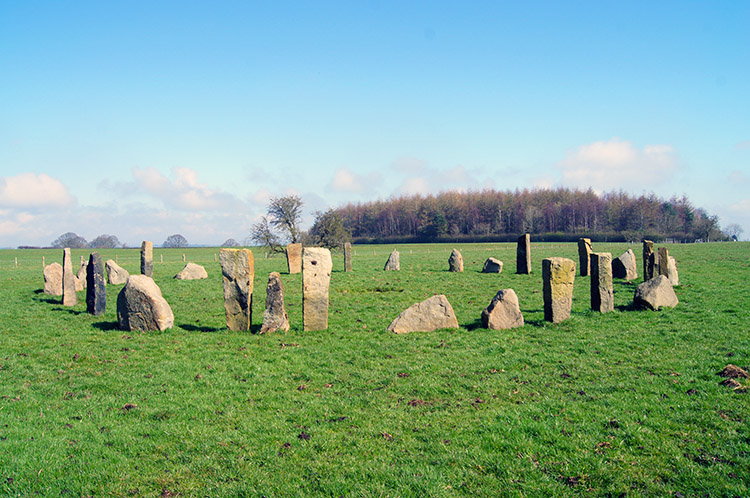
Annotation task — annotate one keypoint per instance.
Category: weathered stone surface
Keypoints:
(53, 274)
(81, 278)
(147, 258)
(558, 275)
(431, 314)
(624, 266)
(655, 294)
(69, 297)
(648, 260)
(316, 277)
(116, 274)
(238, 273)
(492, 265)
(456, 261)
(294, 258)
(96, 290)
(584, 256)
(674, 277)
(192, 272)
(393, 263)
(661, 264)
(347, 256)
(602, 292)
(140, 306)
(523, 255)
(503, 311)
(274, 316)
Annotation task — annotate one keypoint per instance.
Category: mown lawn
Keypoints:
(622, 404)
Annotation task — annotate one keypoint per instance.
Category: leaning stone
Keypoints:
(140, 306)
(558, 275)
(147, 258)
(602, 292)
(624, 266)
(274, 317)
(456, 261)
(53, 279)
(503, 311)
(523, 255)
(584, 256)
(733, 372)
(116, 274)
(69, 297)
(393, 262)
(96, 290)
(192, 272)
(294, 258)
(674, 277)
(655, 294)
(492, 265)
(648, 260)
(81, 278)
(238, 273)
(316, 278)
(431, 314)
(347, 256)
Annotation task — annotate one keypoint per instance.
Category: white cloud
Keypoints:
(32, 191)
(346, 181)
(414, 185)
(742, 207)
(618, 164)
(185, 193)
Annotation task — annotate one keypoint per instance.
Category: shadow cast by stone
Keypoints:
(199, 328)
(106, 326)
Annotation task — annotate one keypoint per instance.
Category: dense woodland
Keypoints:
(560, 214)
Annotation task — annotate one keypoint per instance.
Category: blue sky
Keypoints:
(144, 119)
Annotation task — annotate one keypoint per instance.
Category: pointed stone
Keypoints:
(147, 258)
(624, 266)
(53, 276)
(503, 311)
(316, 278)
(274, 317)
(492, 265)
(116, 274)
(347, 256)
(584, 256)
(655, 294)
(81, 277)
(523, 255)
(238, 273)
(140, 306)
(558, 275)
(393, 263)
(456, 261)
(294, 258)
(96, 290)
(602, 292)
(431, 314)
(69, 297)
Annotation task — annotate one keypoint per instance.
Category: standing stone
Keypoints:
(655, 294)
(116, 274)
(584, 256)
(274, 317)
(674, 277)
(96, 290)
(661, 265)
(316, 277)
(602, 292)
(238, 272)
(192, 272)
(81, 277)
(558, 275)
(140, 306)
(523, 255)
(624, 266)
(393, 263)
(503, 311)
(492, 265)
(347, 256)
(294, 258)
(456, 261)
(147, 258)
(431, 314)
(69, 297)
(53, 274)
(648, 260)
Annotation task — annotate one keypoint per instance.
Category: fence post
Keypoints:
(43, 265)
(161, 258)
(183, 257)
(16, 261)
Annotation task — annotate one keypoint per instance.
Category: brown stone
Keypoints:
(584, 256)
(503, 311)
(69, 297)
(523, 254)
(294, 258)
(431, 314)
(274, 316)
(624, 266)
(558, 276)
(192, 272)
(661, 265)
(648, 260)
(81, 278)
(655, 294)
(602, 292)
(347, 256)
(147, 258)
(393, 263)
(53, 276)
(238, 273)
(456, 261)
(115, 273)
(140, 306)
(316, 278)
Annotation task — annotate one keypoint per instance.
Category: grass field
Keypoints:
(622, 404)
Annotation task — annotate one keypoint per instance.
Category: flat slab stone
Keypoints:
(602, 292)
(294, 258)
(316, 278)
(140, 306)
(116, 274)
(53, 274)
(69, 296)
(274, 316)
(238, 274)
(96, 290)
(655, 294)
(431, 314)
(624, 266)
(558, 275)
(503, 311)
(192, 272)
(393, 263)
(456, 261)
(492, 265)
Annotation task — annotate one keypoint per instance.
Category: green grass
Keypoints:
(622, 404)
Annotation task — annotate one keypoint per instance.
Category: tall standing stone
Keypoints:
(316, 277)
(661, 266)
(238, 272)
(294, 258)
(81, 277)
(602, 292)
(53, 274)
(456, 261)
(274, 317)
(96, 290)
(648, 260)
(674, 277)
(393, 263)
(69, 297)
(347, 256)
(558, 275)
(624, 266)
(147, 258)
(523, 255)
(584, 256)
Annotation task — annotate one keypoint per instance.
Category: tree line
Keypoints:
(559, 214)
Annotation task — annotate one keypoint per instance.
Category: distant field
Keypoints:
(622, 404)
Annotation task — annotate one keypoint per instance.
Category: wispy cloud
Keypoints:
(184, 192)
(347, 182)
